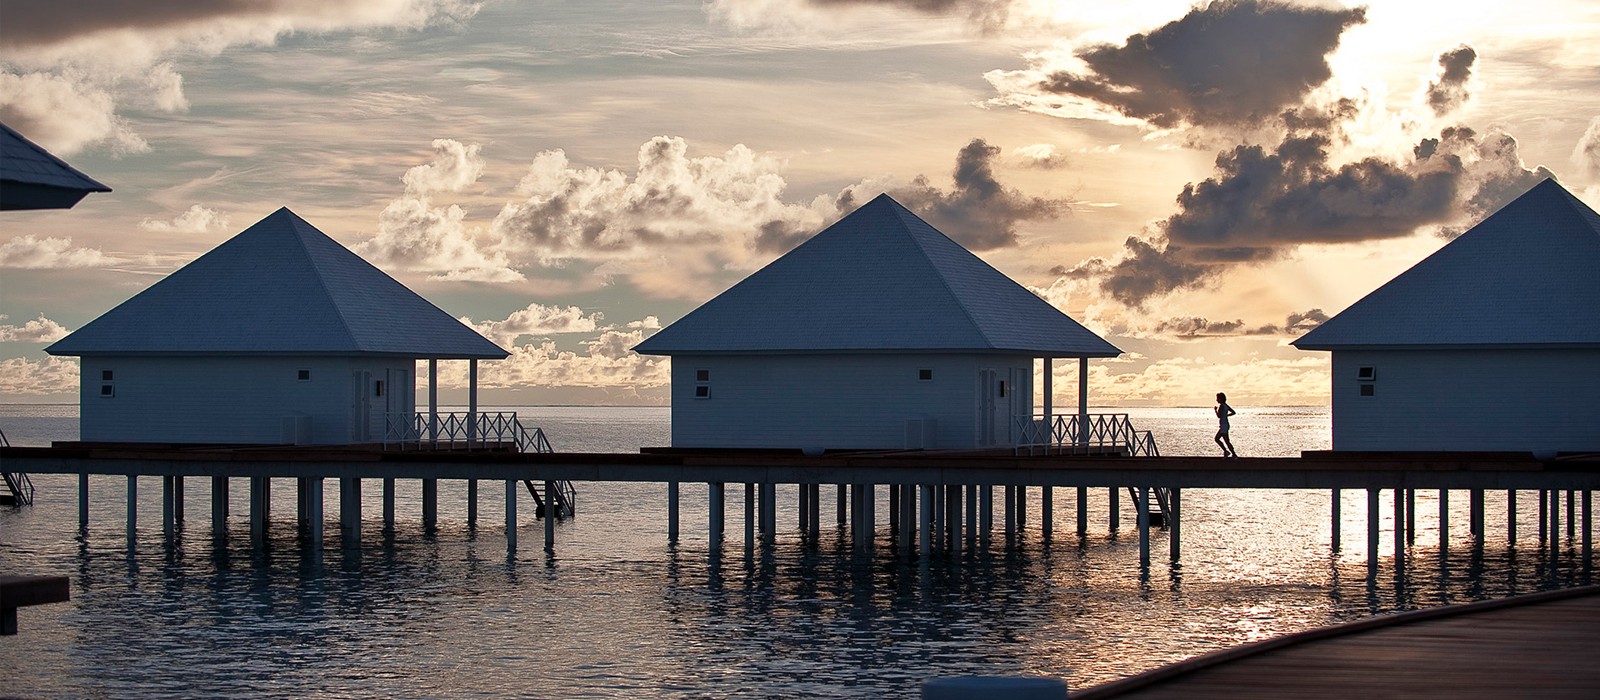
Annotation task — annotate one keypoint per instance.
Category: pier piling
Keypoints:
(672, 512)
(1083, 511)
(511, 512)
(83, 500)
(1399, 529)
(1475, 510)
(260, 503)
(714, 497)
(1511, 517)
(1372, 532)
(472, 504)
(1047, 512)
(219, 507)
(749, 518)
(1444, 521)
(550, 511)
(925, 539)
(1175, 525)
(168, 519)
(1115, 507)
(430, 505)
(1142, 508)
(388, 506)
(1333, 506)
(311, 487)
(349, 513)
(133, 509)
(985, 514)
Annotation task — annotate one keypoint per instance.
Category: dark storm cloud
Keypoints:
(1449, 91)
(978, 212)
(41, 22)
(1192, 327)
(1145, 269)
(1226, 63)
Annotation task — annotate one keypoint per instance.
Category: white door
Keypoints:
(988, 388)
(361, 406)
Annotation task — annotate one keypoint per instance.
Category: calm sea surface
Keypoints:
(618, 613)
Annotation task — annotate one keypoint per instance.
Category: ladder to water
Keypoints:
(1159, 506)
(19, 489)
(565, 499)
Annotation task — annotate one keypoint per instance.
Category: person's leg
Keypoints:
(1219, 437)
(1227, 443)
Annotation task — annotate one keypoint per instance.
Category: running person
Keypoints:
(1223, 410)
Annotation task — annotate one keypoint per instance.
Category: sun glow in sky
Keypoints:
(1197, 183)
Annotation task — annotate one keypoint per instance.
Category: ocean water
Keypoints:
(618, 612)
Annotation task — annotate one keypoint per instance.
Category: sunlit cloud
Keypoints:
(29, 252)
(39, 330)
(195, 219)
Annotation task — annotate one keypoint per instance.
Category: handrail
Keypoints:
(1065, 433)
(454, 430)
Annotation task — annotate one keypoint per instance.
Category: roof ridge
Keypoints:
(900, 213)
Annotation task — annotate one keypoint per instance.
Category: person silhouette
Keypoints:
(1223, 410)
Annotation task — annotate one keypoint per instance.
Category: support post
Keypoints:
(1142, 508)
(925, 539)
(133, 508)
(1022, 508)
(972, 514)
(1049, 397)
(313, 491)
(1175, 524)
(1010, 499)
(177, 499)
(1544, 515)
(769, 511)
(260, 501)
(472, 504)
(985, 514)
(749, 517)
(219, 507)
(842, 505)
(430, 505)
(1511, 517)
(1444, 520)
(1047, 512)
(472, 415)
(167, 519)
(1588, 530)
(1572, 512)
(1411, 516)
(433, 410)
(1115, 508)
(388, 505)
(1399, 529)
(952, 502)
(714, 499)
(1555, 525)
(1083, 511)
(1333, 506)
(894, 509)
(816, 510)
(349, 512)
(672, 512)
(1083, 403)
(511, 513)
(83, 500)
(549, 514)
(1372, 532)
(1475, 510)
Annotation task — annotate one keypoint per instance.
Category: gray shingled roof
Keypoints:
(31, 178)
(280, 287)
(878, 280)
(1527, 276)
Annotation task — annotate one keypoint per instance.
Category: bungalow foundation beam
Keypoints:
(1333, 505)
(83, 500)
(219, 507)
(1083, 511)
(472, 504)
(1511, 518)
(672, 512)
(1142, 507)
(349, 513)
(388, 506)
(311, 487)
(430, 505)
(1174, 524)
(133, 509)
(511, 514)
(549, 514)
(1047, 512)
(260, 504)
(714, 499)
(925, 541)
(1372, 532)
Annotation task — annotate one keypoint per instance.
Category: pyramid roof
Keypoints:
(281, 287)
(879, 280)
(32, 178)
(1526, 276)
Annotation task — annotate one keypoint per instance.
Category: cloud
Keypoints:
(31, 253)
(978, 211)
(1193, 327)
(1261, 202)
(39, 330)
(197, 219)
(987, 16)
(606, 363)
(1449, 90)
(670, 199)
(536, 320)
(1586, 154)
(69, 68)
(1042, 156)
(53, 375)
(1224, 64)
(413, 234)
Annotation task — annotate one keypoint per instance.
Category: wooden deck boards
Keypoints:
(1548, 647)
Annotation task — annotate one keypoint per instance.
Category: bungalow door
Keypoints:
(361, 390)
(988, 389)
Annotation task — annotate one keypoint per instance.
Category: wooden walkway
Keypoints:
(1545, 645)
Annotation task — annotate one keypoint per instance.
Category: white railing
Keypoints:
(1068, 433)
(461, 430)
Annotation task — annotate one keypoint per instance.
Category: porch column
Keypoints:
(433, 402)
(472, 401)
(1083, 401)
(1049, 394)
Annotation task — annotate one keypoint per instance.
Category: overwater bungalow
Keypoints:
(1490, 344)
(33, 178)
(278, 336)
(880, 332)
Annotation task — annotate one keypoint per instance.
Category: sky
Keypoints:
(1198, 183)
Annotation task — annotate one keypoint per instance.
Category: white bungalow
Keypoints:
(1490, 344)
(279, 335)
(877, 333)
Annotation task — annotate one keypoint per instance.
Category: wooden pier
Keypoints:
(937, 500)
(1533, 646)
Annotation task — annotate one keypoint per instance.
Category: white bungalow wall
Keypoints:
(816, 402)
(241, 399)
(1467, 400)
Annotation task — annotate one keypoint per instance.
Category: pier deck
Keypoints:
(1539, 645)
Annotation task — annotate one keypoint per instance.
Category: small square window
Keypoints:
(924, 375)
(702, 375)
(1366, 390)
(105, 375)
(1002, 388)
(702, 392)
(1367, 374)
(108, 390)
(377, 388)
(304, 375)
